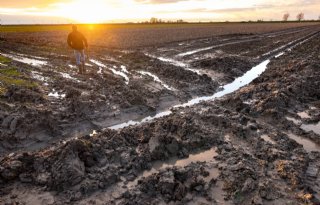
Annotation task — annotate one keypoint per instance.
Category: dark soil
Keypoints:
(48, 157)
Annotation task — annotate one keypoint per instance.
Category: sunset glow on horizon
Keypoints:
(112, 11)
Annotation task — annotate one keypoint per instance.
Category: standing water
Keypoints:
(311, 127)
(227, 89)
(307, 144)
(238, 83)
(206, 156)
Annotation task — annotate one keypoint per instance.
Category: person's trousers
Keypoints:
(80, 56)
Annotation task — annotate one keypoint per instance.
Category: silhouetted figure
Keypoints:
(78, 43)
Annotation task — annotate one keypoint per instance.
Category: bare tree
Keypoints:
(154, 20)
(286, 17)
(319, 18)
(300, 16)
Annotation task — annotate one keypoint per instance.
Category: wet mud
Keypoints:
(242, 129)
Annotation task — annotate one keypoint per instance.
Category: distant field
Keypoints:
(137, 35)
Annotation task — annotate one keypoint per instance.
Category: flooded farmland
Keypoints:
(219, 119)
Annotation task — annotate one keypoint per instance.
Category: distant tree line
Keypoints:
(154, 20)
(300, 17)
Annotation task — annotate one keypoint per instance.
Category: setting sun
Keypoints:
(81, 11)
(122, 11)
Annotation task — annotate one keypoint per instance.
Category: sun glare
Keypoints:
(84, 11)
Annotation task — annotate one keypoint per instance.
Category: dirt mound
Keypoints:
(230, 66)
(19, 94)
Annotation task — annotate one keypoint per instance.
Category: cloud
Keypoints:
(28, 3)
(159, 1)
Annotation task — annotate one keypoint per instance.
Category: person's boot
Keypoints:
(80, 70)
(83, 69)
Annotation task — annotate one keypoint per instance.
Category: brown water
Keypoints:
(311, 127)
(206, 156)
(308, 145)
(267, 139)
(295, 121)
(304, 115)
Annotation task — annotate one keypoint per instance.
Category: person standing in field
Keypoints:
(78, 43)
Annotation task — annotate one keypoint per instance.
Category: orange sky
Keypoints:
(102, 11)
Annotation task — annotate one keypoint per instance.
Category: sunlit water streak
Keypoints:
(156, 79)
(247, 78)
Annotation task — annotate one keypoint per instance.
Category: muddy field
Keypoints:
(230, 117)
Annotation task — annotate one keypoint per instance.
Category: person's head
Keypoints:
(74, 28)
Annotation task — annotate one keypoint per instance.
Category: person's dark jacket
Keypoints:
(77, 41)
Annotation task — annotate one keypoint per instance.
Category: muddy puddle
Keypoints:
(124, 69)
(304, 115)
(267, 139)
(26, 60)
(206, 156)
(156, 79)
(227, 89)
(306, 127)
(290, 45)
(38, 76)
(175, 63)
(238, 83)
(307, 144)
(294, 120)
(311, 127)
(56, 94)
(147, 119)
(188, 53)
(114, 71)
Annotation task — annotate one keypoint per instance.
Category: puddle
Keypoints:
(147, 119)
(56, 94)
(238, 83)
(153, 143)
(195, 51)
(227, 89)
(93, 133)
(169, 60)
(280, 54)
(267, 139)
(311, 127)
(29, 61)
(218, 194)
(308, 145)
(100, 71)
(292, 44)
(227, 138)
(206, 156)
(124, 69)
(72, 66)
(68, 76)
(119, 73)
(212, 47)
(36, 75)
(295, 121)
(175, 63)
(156, 79)
(250, 102)
(116, 191)
(304, 115)
(24, 55)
